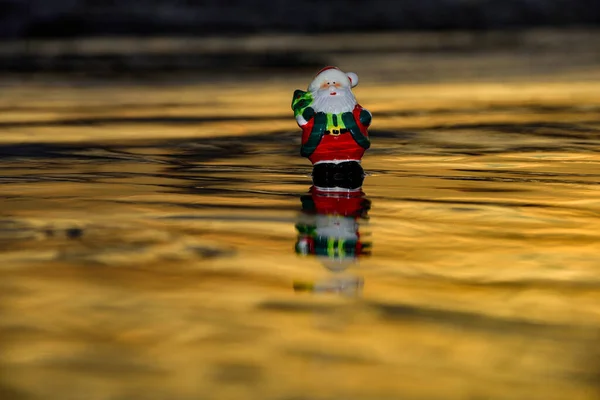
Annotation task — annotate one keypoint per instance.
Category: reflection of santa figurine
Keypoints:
(328, 228)
(334, 128)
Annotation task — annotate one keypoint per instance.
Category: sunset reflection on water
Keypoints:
(147, 239)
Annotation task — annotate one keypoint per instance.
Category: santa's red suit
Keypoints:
(338, 147)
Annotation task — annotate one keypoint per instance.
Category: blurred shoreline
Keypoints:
(229, 57)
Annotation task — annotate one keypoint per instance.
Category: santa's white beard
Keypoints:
(344, 101)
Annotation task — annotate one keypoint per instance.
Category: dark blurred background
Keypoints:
(72, 18)
(210, 38)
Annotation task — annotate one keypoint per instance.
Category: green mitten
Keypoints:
(300, 101)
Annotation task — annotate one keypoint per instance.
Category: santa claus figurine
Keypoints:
(334, 128)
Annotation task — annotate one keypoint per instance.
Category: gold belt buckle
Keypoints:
(335, 132)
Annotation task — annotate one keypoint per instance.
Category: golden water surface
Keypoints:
(147, 240)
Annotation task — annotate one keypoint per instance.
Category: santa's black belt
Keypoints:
(336, 132)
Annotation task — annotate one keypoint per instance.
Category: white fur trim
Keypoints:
(300, 120)
(338, 189)
(353, 78)
(336, 161)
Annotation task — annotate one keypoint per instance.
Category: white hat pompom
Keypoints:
(353, 78)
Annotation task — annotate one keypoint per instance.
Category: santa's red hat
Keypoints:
(333, 73)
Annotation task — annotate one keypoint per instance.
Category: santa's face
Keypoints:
(333, 97)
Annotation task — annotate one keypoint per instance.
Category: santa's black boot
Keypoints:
(344, 175)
